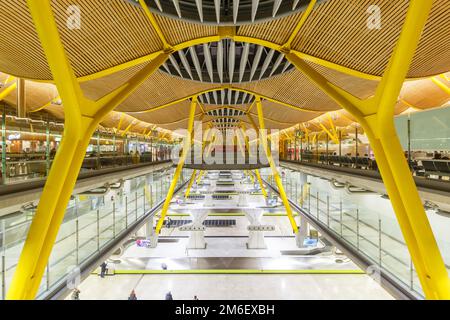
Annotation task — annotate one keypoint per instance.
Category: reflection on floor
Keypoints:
(233, 287)
(226, 269)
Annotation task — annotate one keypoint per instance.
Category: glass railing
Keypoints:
(21, 168)
(365, 221)
(427, 151)
(92, 222)
(28, 147)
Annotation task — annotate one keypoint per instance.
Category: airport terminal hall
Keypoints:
(243, 153)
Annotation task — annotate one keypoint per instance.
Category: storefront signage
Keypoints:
(14, 136)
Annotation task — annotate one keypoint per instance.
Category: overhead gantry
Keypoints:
(375, 115)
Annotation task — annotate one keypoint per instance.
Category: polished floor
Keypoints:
(324, 275)
(234, 287)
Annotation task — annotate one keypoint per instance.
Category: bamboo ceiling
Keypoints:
(116, 32)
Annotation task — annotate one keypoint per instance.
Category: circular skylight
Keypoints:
(225, 12)
(226, 61)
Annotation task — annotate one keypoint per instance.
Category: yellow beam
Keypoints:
(238, 38)
(332, 136)
(441, 85)
(186, 149)
(261, 184)
(276, 175)
(191, 182)
(122, 116)
(154, 23)
(445, 77)
(149, 133)
(120, 67)
(171, 103)
(200, 176)
(376, 117)
(9, 79)
(46, 105)
(202, 108)
(252, 178)
(7, 91)
(252, 122)
(81, 120)
(300, 24)
(333, 127)
(128, 128)
(250, 107)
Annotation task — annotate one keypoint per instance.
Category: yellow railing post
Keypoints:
(191, 182)
(176, 176)
(82, 117)
(376, 117)
(276, 175)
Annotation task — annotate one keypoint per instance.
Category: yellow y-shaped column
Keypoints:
(258, 175)
(200, 176)
(261, 184)
(376, 116)
(8, 91)
(82, 117)
(276, 175)
(191, 182)
(186, 149)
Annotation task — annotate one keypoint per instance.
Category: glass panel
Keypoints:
(91, 222)
(366, 221)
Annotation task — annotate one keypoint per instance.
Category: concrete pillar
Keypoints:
(197, 230)
(256, 229)
(149, 230)
(303, 232)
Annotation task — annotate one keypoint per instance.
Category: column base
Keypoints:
(153, 240)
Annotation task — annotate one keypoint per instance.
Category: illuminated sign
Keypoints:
(14, 136)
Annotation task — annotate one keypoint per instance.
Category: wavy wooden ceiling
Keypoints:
(114, 32)
(336, 31)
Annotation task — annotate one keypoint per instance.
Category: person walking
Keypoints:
(133, 295)
(76, 294)
(169, 296)
(103, 269)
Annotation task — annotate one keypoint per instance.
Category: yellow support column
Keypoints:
(6, 92)
(186, 148)
(376, 117)
(276, 175)
(257, 173)
(191, 182)
(261, 184)
(82, 117)
(200, 175)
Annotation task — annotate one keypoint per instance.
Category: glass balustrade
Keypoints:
(92, 222)
(364, 220)
(28, 148)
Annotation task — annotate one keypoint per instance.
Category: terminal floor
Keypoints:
(216, 247)
(234, 287)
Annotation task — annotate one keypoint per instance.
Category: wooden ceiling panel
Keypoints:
(293, 88)
(161, 88)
